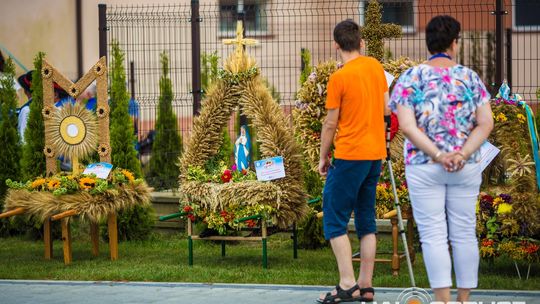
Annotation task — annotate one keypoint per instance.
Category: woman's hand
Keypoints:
(452, 161)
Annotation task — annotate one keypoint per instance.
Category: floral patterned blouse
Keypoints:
(444, 101)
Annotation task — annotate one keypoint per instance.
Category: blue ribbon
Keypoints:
(533, 132)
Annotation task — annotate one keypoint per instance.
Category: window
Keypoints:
(255, 21)
(393, 11)
(525, 15)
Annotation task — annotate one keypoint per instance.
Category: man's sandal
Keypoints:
(363, 291)
(341, 296)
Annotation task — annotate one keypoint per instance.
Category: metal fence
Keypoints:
(500, 40)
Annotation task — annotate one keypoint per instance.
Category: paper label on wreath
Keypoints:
(101, 170)
(389, 78)
(270, 168)
(487, 154)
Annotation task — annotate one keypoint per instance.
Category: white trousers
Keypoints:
(444, 208)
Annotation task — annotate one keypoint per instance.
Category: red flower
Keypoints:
(191, 217)
(223, 213)
(187, 209)
(487, 243)
(251, 223)
(226, 176)
(394, 126)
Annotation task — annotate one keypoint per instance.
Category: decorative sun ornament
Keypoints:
(73, 131)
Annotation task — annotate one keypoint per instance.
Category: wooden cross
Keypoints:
(374, 31)
(240, 41)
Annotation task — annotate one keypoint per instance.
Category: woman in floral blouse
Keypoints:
(443, 109)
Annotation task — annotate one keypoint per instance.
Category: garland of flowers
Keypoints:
(502, 232)
(91, 197)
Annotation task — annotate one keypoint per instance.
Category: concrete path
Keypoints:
(48, 292)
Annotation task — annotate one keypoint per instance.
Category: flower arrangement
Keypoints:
(385, 197)
(502, 232)
(229, 216)
(63, 183)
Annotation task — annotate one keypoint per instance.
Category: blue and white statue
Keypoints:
(242, 148)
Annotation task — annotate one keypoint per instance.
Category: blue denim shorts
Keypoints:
(351, 185)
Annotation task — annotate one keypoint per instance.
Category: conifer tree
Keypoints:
(123, 138)
(135, 223)
(167, 145)
(9, 138)
(33, 160)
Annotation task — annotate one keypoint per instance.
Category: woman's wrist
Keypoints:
(463, 155)
(437, 155)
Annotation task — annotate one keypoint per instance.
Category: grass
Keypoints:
(164, 259)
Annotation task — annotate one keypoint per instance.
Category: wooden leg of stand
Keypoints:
(395, 255)
(113, 237)
(264, 248)
(47, 239)
(94, 237)
(66, 239)
(190, 242)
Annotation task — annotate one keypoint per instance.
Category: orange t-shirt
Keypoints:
(357, 89)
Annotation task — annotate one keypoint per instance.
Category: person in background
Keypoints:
(25, 81)
(443, 109)
(356, 102)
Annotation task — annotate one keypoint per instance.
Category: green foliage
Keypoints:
(167, 146)
(209, 69)
(33, 160)
(9, 138)
(124, 154)
(133, 223)
(310, 232)
(136, 223)
(306, 64)
(224, 154)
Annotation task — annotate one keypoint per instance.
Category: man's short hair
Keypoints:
(441, 31)
(347, 35)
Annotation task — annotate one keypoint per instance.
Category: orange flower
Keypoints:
(53, 184)
(38, 182)
(128, 175)
(87, 183)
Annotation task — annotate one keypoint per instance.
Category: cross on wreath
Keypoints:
(374, 31)
(240, 41)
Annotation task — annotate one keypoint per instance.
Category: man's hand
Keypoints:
(324, 164)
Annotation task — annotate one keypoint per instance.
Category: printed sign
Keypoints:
(101, 170)
(487, 154)
(270, 168)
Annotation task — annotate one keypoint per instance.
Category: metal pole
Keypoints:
(102, 27)
(78, 25)
(196, 56)
(132, 79)
(509, 57)
(499, 39)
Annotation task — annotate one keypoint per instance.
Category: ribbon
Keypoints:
(533, 133)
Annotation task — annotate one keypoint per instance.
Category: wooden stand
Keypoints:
(64, 217)
(263, 238)
(396, 258)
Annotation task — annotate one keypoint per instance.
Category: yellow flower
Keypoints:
(38, 182)
(87, 183)
(53, 184)
(497, 201)
(504, 208)
(128, 175)
(521, 118)
(501, 117)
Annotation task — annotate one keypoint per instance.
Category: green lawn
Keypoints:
(164, 259)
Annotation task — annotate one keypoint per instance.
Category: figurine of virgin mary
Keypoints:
(242, 149)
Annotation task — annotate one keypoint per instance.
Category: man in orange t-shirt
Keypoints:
(357, 101)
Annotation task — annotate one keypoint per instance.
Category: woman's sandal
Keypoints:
(341, 296)
(363, 291)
